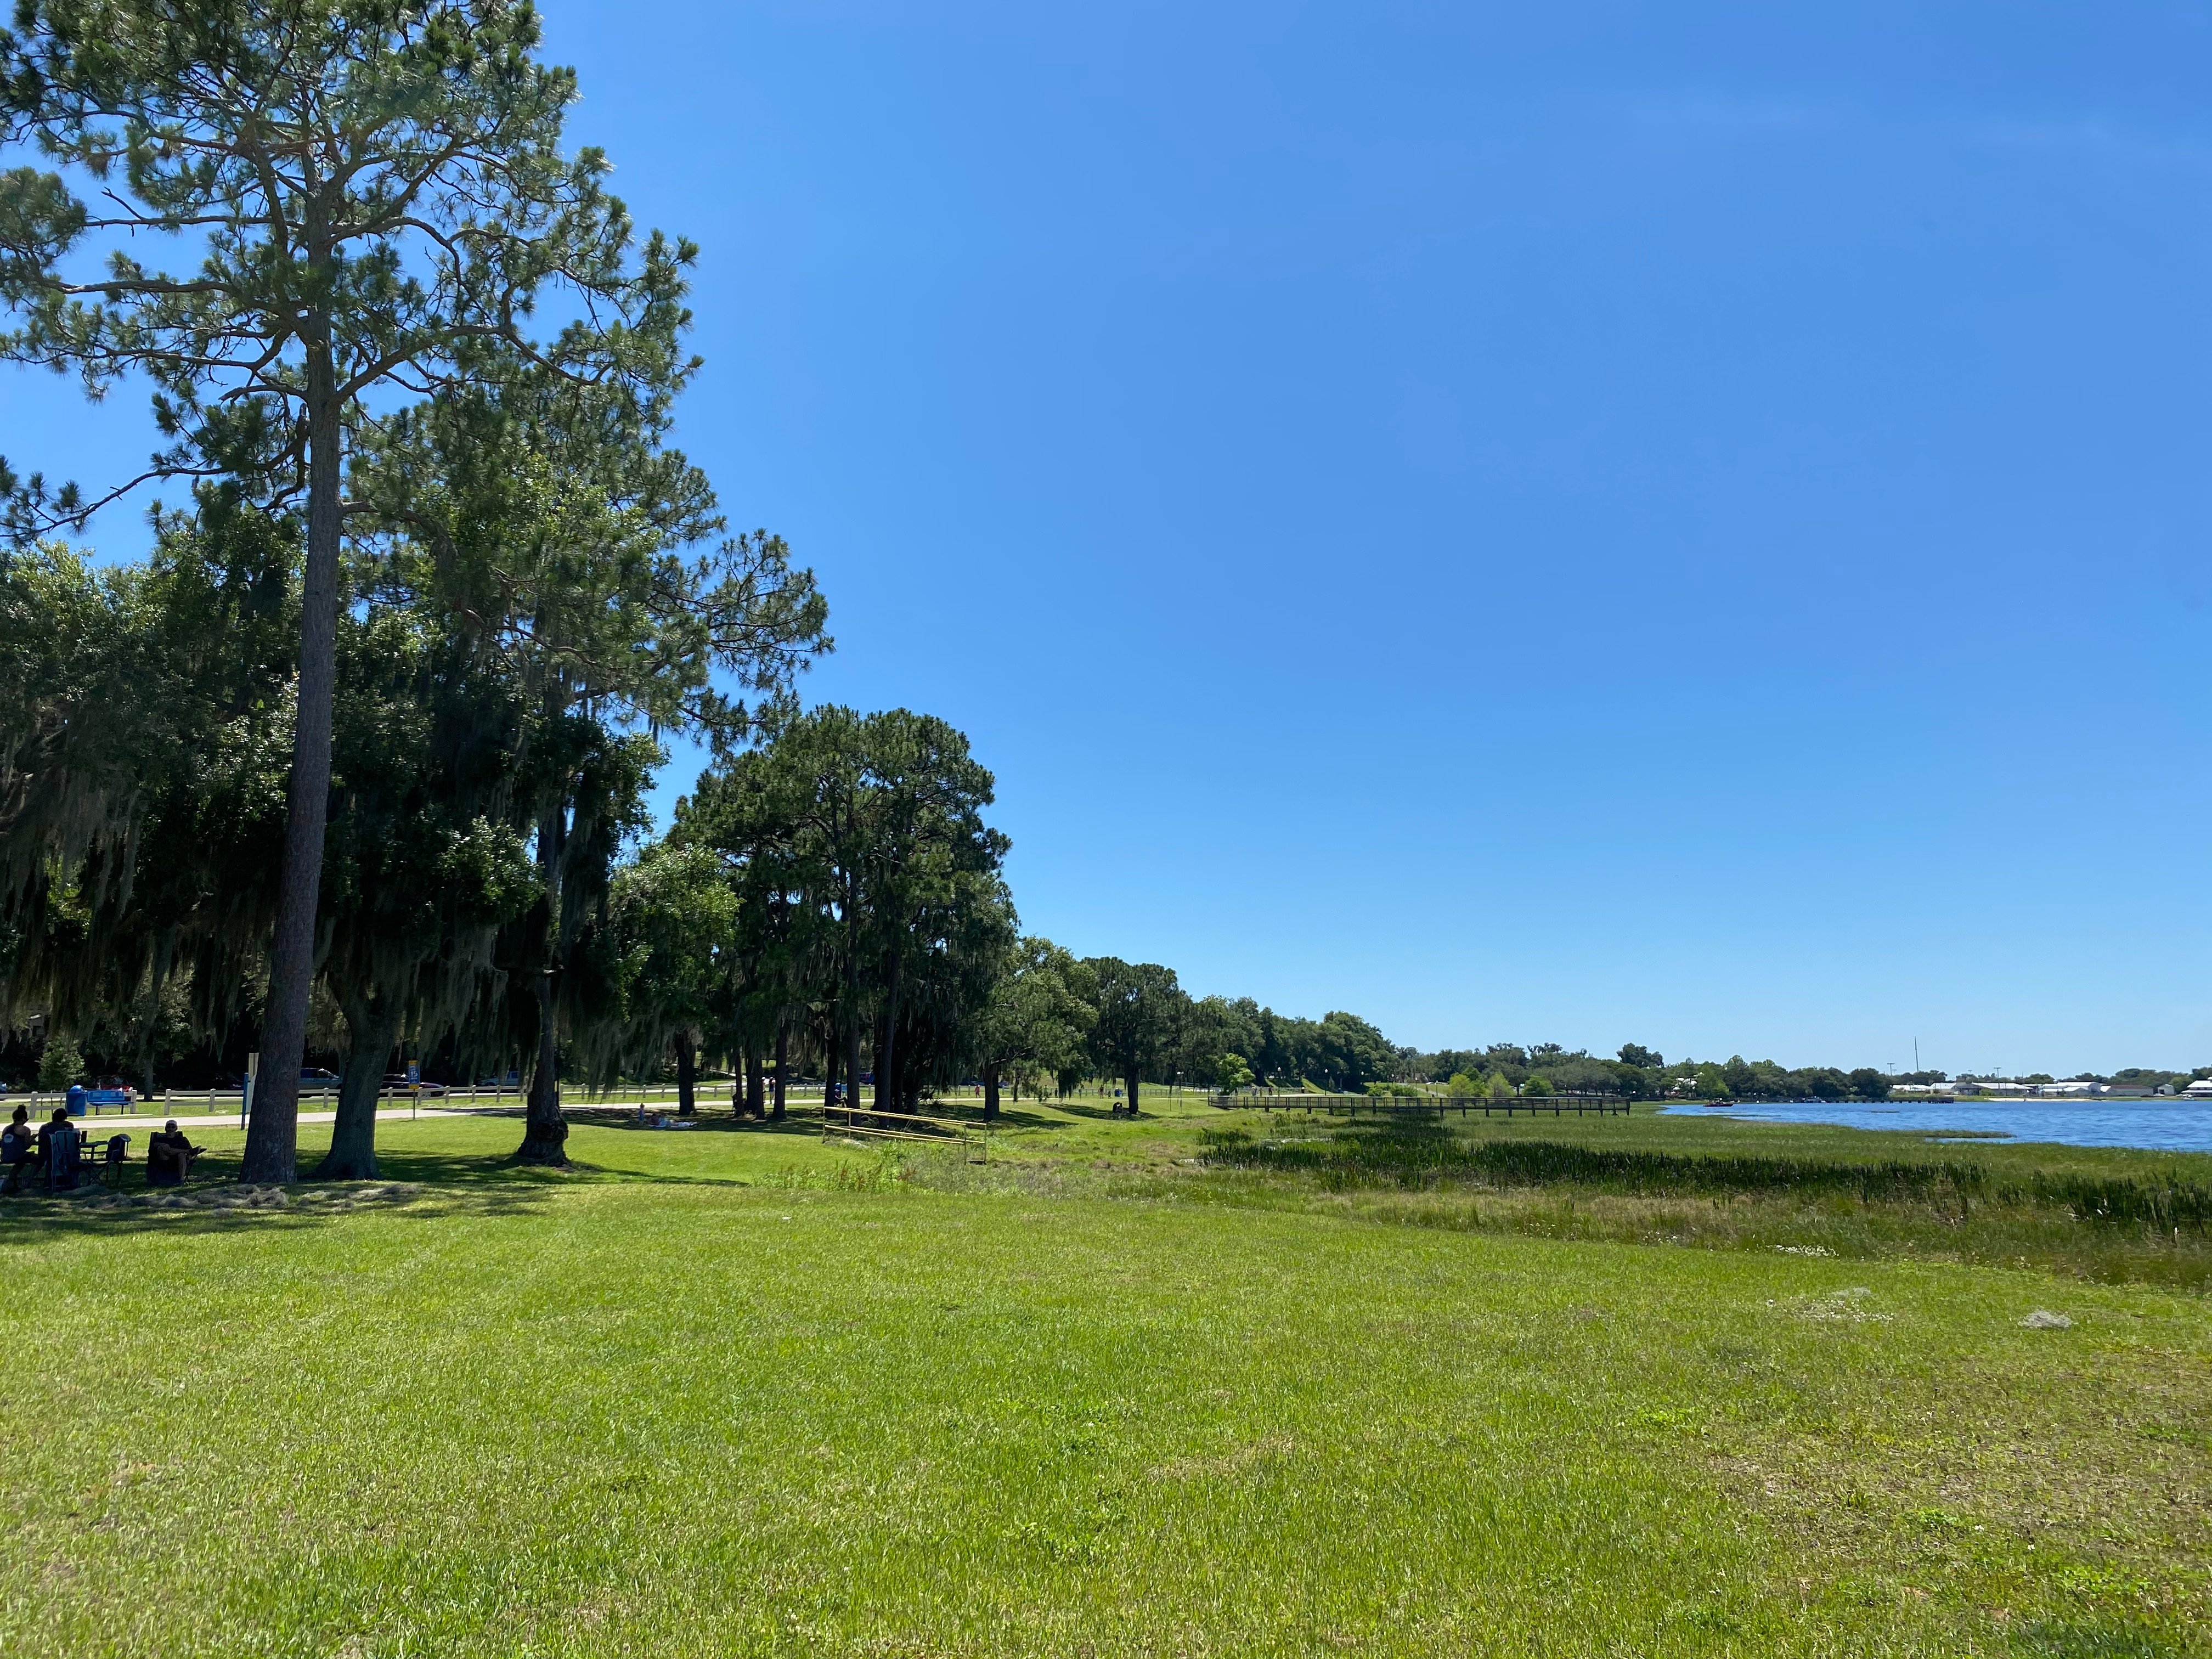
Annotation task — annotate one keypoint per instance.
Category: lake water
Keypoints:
(2165, 1126)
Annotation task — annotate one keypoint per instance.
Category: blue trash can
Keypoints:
(74, 1100)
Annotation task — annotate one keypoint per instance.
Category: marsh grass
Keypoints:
(1420, 1155)
(2154, 1227)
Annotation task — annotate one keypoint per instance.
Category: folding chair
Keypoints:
(64, 1158)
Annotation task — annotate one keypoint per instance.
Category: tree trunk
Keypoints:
(782, 1067)
(755, 1099)
(373, 1027)
(887, 1068)
(852, 1013)
(1132, 1081)
(164, 947)
(273, 1133)
(831, 1056)
(990, 1094)
(544, 1131)
(687, 1075)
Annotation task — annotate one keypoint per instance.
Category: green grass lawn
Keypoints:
(1125, 1388)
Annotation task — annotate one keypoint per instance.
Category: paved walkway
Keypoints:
(115, 1122)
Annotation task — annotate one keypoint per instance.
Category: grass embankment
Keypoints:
(1146, 1390)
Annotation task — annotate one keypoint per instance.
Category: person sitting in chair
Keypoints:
(15, 1141)
(169, 1157)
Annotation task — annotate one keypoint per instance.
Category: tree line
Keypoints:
(353, 755)
(355, 759)
(1638, 1073)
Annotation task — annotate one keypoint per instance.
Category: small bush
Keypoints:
(60, 1064)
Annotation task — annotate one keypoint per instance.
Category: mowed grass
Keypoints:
(735, 1391)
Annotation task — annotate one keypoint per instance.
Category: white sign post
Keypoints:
(245, 1092)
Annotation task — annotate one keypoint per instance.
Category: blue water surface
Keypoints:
(2163, 1126)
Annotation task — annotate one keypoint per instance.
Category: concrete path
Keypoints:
(98, 1128)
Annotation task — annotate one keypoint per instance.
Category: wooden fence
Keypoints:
(867, 1123)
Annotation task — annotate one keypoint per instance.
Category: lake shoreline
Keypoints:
(2141, 1123)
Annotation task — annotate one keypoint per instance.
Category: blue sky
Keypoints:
(1678, 524)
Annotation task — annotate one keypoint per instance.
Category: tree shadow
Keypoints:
(619, 1118)
(427, 1184)
(422, 1182)
(202, 1206)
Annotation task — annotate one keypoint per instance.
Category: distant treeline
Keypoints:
(1640, 1073)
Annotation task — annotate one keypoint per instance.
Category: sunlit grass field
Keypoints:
(1174, 1387)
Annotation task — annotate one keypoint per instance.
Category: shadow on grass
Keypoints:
(424, 1184)
(615, 1117)
(220, 1206)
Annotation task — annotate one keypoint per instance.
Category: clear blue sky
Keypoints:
(1683, 524)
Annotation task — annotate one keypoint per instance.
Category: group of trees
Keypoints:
(829, 901)
(828, 895)
(369, 727)
(354, 754)
(1738, 1078)
(357, 753)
